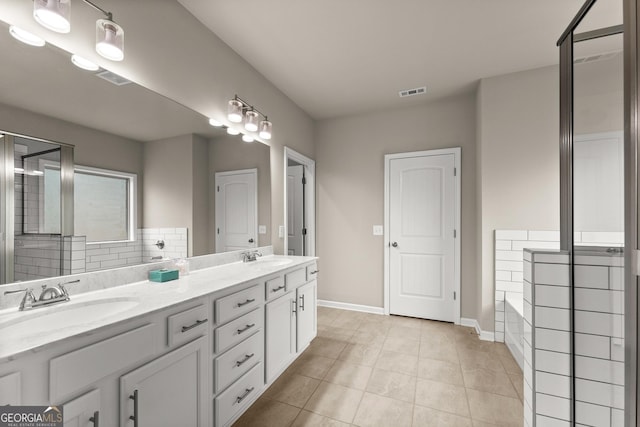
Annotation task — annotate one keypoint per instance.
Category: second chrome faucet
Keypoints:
(48, 296)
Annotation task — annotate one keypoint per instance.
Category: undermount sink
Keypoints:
(44, 320)
(270, 262)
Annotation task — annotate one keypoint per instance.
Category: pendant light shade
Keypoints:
(109, 40)
(84, 63)
(265, 129)
(25, 36)
(234, 111)
(232, 131)
(251, 121)
(215, 123)
(53, 14)
(247, 138)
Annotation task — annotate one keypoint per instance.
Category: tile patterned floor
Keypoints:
(389, 371)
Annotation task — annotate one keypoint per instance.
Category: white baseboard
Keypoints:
(473, 323)
(352, 307)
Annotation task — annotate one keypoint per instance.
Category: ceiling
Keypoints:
(342, 57)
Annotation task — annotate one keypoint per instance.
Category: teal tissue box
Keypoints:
(163, 275)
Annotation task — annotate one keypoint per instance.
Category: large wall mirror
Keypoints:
(151, 178)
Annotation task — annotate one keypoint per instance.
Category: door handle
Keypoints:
(95, 419)
(394, 244)
(251, 240)
(134, 417)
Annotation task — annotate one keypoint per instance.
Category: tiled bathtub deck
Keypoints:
(370, 370)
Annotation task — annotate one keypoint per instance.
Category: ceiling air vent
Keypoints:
(412, 92)
(113, 78)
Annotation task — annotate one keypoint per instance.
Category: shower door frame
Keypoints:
(631, 32)
(7, 193)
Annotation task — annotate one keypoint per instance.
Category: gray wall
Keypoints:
(350, 192)
(92, 147)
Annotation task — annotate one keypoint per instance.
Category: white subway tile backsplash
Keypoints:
(527, 293)
(553, 406)
(499, 316)
(617, 418)
(551, 258)
(592, 345)
(553, 318)
(551, 296)
(551, 274)
(542, 421)
(616, 278)
(511, 235)
(509, 265)
(617, 349)
(592, 415)
(599, 393)
(527, 310)
(553, 384)
(535, 245)
(509, 255)
(547, 339)
(590, 276)
(527, 271)
(549, 236)
(599, 370)
(517, 276)
(503, 275)
(508, 286)
(553, 362)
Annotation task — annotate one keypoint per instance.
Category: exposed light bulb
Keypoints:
(84, 63)
(53, 14)
(25, 36)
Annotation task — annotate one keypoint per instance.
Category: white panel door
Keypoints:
(422, 222)
(236, 210)
(295, 209)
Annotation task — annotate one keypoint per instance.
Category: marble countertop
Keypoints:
(30, 331)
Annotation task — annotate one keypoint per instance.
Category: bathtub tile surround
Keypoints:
(599, 343)
(508, 261)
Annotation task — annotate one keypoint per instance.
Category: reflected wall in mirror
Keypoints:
(144, 168)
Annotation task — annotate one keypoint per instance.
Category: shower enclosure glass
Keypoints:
(592, 215)
(33, 209)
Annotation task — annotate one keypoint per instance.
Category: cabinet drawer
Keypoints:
(187, 325)
(274, 287)
(237, 361)
(312, 271)
(236, 304)
(237, 330)
(295, 278)
(239, 395)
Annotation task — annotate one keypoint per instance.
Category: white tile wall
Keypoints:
(175, 243)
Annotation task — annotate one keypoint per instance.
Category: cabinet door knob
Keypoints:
(394, 244)
(251, 240)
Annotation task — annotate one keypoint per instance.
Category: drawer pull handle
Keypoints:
(198, 323)
(95, 419)
(246, 393)
(277, 289)
(243, 361)
(249, 301)
(134, 417)
(302, 302)
(315, 272)
(246, 328)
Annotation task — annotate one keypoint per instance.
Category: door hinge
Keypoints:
(304, 180)
(218, 231)
(218, 188)
(304, 231)
(455, 234)
(455, 171)
(454, 295)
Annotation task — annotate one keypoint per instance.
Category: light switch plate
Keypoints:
(281, 231)
(378, 230)
(262, 229)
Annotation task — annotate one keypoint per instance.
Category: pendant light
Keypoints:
(251, 121)
(109, 39)
(265, 129)
(234, 111)
(53, 14)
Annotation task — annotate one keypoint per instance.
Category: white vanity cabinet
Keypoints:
(169, 391)
(83, 411)
(306, 315)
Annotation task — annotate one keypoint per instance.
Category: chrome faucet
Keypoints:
(48, 296)
(250, 256)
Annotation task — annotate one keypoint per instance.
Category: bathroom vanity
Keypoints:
(192, 352)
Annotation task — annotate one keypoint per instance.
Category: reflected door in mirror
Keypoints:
(236, 203)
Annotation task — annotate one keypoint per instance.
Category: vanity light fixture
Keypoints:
(232, 131)
(239, 110)
(247, 138)
(25, 36)
(53, 14)
(84, 63)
